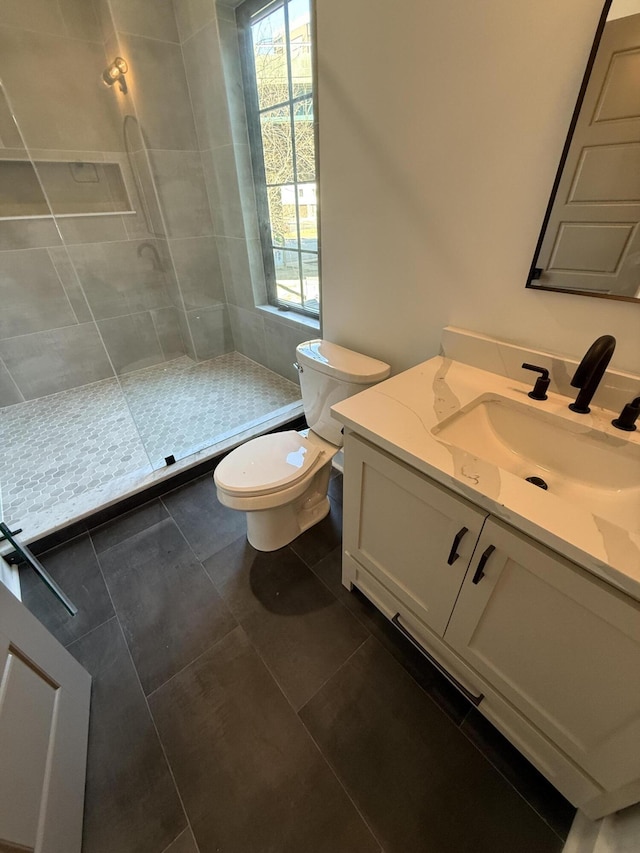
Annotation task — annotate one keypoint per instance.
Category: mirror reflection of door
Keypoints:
(592, 240)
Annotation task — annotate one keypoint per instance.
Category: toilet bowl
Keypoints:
(281, 480)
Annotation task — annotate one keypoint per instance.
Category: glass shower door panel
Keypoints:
(68, 441)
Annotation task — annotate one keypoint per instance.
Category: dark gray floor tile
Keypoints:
(169, 609)
(537, 791)
(75, 568)
(125, 526)
(250, 777)
(131, 804)
(319, 540)
(335, 486)
(302, 633)
(417, 780)
(443, 693)
(207, 525)
(184, 843)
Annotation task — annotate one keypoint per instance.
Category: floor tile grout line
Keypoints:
(172, 519)
(155, 728)
(151, 717)
(195, 659)
(90, 631)
(179, 835)
(133, 535)
(297, 714)
(511, 785)
(334, 772)
(195, 556)
(84, 636)
(371, 634)
(459, 725)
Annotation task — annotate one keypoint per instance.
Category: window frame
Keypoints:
(247, 13)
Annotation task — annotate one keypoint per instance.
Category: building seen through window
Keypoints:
(277, 58)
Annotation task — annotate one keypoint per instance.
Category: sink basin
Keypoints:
(582, 465)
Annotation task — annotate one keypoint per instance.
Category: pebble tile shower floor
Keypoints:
(66, 449)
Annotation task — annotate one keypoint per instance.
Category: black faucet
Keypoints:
(590, 371)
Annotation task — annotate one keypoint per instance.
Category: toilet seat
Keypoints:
(267, 464)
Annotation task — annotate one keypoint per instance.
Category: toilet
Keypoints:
(281, 480)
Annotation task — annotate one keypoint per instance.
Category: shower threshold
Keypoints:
(66, 456)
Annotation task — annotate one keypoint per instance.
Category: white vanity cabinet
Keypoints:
(551, 653)
(415, 537)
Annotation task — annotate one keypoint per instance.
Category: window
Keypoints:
(277, 67)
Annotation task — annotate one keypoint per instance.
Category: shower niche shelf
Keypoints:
(72, 189)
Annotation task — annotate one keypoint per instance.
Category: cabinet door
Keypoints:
(413, 536)
(560, 645)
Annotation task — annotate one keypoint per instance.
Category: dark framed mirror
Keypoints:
(590, 238)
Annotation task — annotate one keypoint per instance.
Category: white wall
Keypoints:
(441, 127)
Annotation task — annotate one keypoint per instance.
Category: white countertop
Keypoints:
(398, 415)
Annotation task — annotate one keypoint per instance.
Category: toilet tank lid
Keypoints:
(341, 363)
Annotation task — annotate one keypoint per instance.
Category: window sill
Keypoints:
(292, 318)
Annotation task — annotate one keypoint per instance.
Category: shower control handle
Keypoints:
(298, 367)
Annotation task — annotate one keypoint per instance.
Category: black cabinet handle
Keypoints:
(483, 562)
(453, 554)
(476, 700)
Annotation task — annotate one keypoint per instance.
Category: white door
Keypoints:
(44, 723)
(592, 240)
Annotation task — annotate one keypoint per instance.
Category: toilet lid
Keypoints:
(266, 464)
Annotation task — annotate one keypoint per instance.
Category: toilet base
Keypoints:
(270, 529)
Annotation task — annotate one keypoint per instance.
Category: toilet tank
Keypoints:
(330, 373)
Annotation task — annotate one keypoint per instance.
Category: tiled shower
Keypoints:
(133, 326)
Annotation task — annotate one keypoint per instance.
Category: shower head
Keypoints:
(115, 73)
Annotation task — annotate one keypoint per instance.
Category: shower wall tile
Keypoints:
(191, 15)
(68, 109)
(122, 278)
(9, 135)
(47, 362)
(143, 177)
(104, 18)
(132, 342)
(198, 269)
(158, 86)
(228, 34)
(281, 341)
(167, 324)
(180, 183)
(9, 393)
(40, 15)
(230, 185)
(211, 331)
(152, 18)
(91, 229)
(203, 64)
(31, 294)
(248, 333)
(185, 331)
(224, 190)
(80, 19)
(242, 271)
(226, 11)
(28, 234)
(67, 275)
